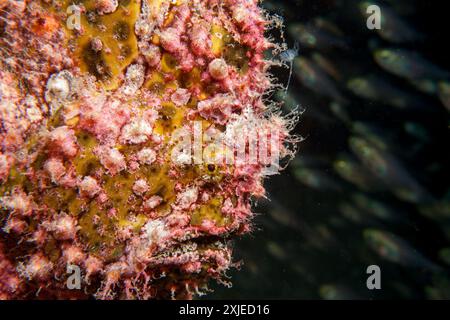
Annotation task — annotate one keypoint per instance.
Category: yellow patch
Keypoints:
(115, 30)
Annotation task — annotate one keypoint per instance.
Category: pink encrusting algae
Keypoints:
(91, 169)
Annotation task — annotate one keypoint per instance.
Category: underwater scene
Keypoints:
(224, 150)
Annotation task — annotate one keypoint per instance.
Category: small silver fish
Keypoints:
(310, 36)
(427, 86)
(316, 179)
(326, 65)
(340, 112)
(408, 64)
(327, 25)
(376, 88)
(377, 209)
(315, 79)
(389, 170)
(351, 171)
(277, 251)
(371, 134)
(351, 213)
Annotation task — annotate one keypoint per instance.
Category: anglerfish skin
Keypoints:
(101, 106)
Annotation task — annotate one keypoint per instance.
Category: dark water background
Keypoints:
(313, 239)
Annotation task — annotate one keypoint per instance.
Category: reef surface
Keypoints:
(111, 116)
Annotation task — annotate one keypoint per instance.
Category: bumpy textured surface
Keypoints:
(88, 122)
